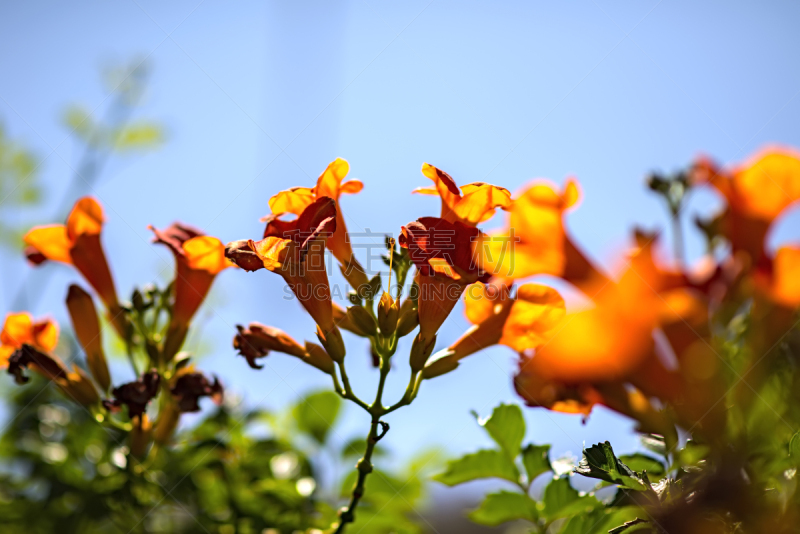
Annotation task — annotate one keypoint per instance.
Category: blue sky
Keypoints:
(258, 97)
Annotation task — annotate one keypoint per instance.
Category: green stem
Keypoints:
(364, 465)
(347, 392)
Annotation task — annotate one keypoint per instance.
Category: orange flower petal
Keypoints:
(786, 276)
(86, 217)
(45, 334)
(18, 329)
(51, 241)
(535, 313)
(205, 253)
(351, 187)
(481, 301)
(330, 181)
(293, 200)
(766, 186)
(479, 202)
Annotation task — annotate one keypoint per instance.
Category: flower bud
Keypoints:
(440, 367)
(420, 352)
(333, 343)
(409, 318)
(316, 356)
(87, 330)
(362, 319)
(388, 312)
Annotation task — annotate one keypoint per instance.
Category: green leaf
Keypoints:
(504, 506)
(481, 464)
(654, 443)
(317, 413)
(138, 136)
(641, 462)
(506, 426)
(536, 460)
(600, 462)
(560, 499)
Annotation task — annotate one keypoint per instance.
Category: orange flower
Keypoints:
(198, 260)
(20, 329)
(441, 251)
(329, 184)
(535, 241)
(522, 322)
(296, 251)
(757, 192)
(473, 204)
(78, 243)
(785, 280)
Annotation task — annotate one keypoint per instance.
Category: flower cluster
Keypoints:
(152, 326)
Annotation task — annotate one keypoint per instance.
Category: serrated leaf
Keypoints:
(317, 413)
(560, 499)
(641, 462)
(506, 427)
(481, 464)
(536, 460)
(504, 506)
(600, 462)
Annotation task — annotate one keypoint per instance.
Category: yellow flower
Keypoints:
(20, 329)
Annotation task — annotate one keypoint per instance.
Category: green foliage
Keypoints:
(481, 464)
(536, 460)
(317, 413)
(506, 426)
(505, 506)
(600, 462)
(60, 471)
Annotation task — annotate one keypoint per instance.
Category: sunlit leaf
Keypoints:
(536, 460)
(506, 426)
(504, 506)
(481, 464)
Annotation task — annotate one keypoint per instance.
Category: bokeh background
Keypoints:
(256, 97)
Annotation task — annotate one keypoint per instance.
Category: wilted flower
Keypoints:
(135, 395)
(75, 384)
(190, 385)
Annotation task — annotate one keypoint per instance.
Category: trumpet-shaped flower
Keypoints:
(535, 241)
(78, 243)
(329, 184)
(198, 260)
(522, 322)
(296, 251)
(135, 395)
(189, 385)
(473, 204)
(757, 192)
(442, 253)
